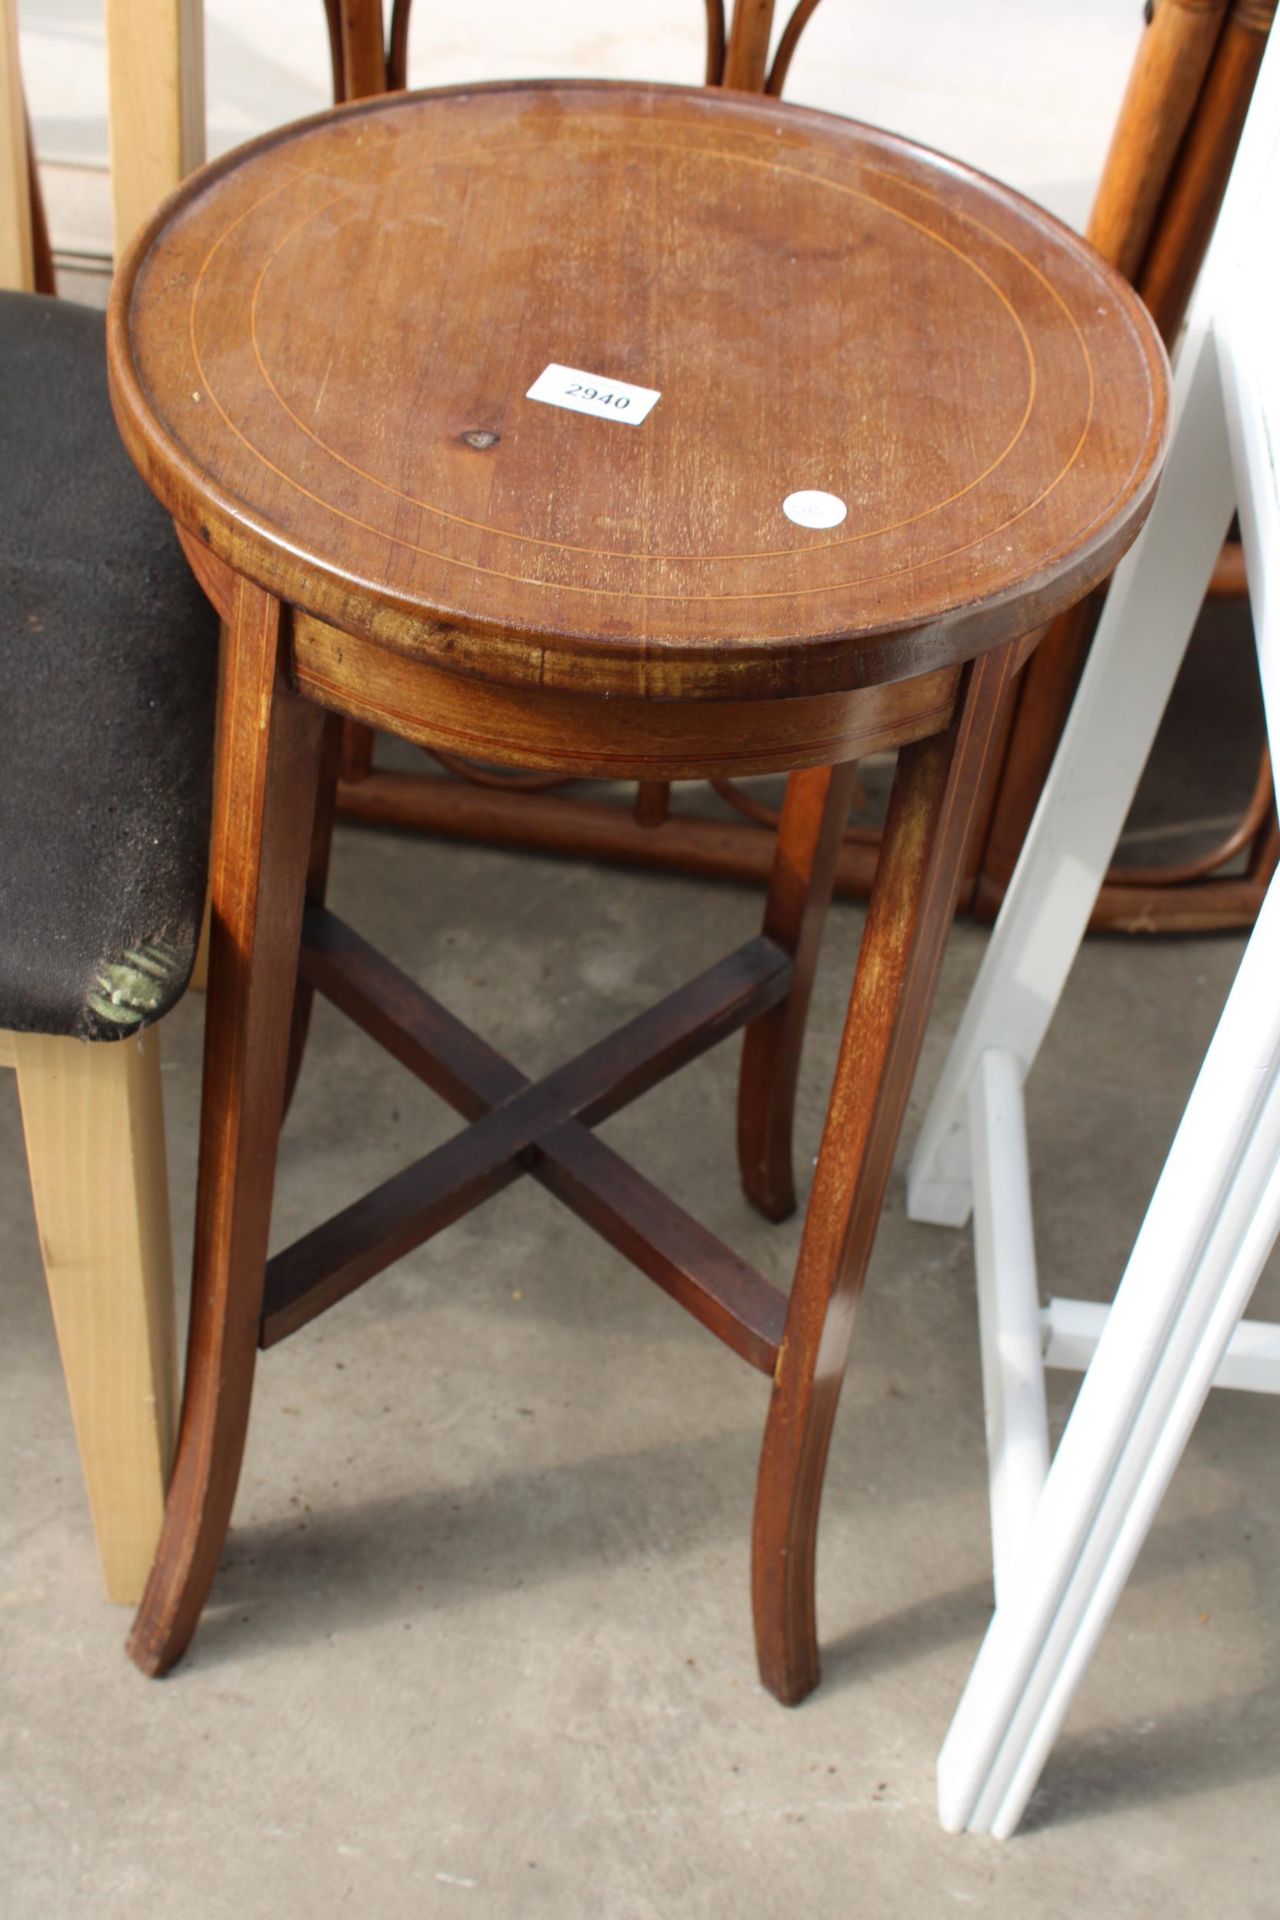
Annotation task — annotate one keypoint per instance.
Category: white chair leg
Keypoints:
(94, 1124)
(1213, 1220)
(1132, 665)
(1251, 1363)
(1008, 1308)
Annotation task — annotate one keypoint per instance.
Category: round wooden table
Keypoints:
(618, 430)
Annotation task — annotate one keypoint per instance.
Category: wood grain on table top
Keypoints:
(309, 332)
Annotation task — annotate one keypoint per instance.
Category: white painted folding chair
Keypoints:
(1066, 1534)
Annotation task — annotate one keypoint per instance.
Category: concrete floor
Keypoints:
(481, 1642)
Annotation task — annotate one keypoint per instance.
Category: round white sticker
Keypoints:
(811, 509)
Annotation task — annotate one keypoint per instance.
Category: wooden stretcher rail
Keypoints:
(584, 828)
(539, 1128)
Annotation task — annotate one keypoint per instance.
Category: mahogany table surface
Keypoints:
(321, 349)
(322, 352)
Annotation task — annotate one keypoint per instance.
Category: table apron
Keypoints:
(609, 738)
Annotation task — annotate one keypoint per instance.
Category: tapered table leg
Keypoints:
(804, 864)
(268, 755)
(316, 888)
(907, 922)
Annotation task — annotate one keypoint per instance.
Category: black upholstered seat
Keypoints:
(108, 655)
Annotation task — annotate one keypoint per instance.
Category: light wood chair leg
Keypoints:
(814, 815)
(17, 239)
(94, 1123)
(156, 117)
(934, 793)
(1208, 1232)
(261, 842)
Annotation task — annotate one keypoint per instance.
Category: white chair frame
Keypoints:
(1065, 1534)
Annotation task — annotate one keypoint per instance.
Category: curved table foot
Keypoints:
(262, 838)
(934, 792)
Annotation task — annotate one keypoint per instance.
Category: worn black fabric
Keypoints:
(108, 660)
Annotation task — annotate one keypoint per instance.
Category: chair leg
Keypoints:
(261, 842)
(317, 887)
(804, 865)
(94, 1125)
(1209, 1230)
(908, 919)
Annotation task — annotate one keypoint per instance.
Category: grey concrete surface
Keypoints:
(481, 1642)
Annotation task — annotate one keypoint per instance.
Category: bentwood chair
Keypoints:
(1152, 215)
(1065, 1535)
(107, 686)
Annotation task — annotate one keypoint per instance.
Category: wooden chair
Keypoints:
(1066, 1535)
(1158, 195)
(1175, 142)
(76, 859)
(523, 807)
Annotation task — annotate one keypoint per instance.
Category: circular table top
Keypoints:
(322, 350)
